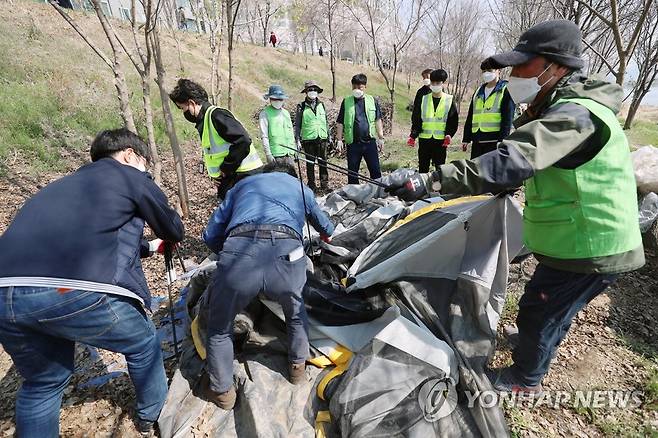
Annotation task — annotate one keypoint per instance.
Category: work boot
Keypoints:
(506, 380)
(145, 428)
(297, 373)
(225, 400)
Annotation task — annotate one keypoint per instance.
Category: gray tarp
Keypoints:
(445, 274)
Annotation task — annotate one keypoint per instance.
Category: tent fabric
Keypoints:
(417, 319)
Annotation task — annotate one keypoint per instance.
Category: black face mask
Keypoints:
(189, 117)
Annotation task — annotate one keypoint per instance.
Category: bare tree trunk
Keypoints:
(232, 8)
(150, 132)
(179, 163)
(117, 69)
(332, 48)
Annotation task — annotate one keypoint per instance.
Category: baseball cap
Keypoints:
(559, 41)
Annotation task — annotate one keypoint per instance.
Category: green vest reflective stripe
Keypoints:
(314, 124)
(589, 211)
(215, 149)
(350, 114)
(279, 131)
(434, 120)
(486, 113)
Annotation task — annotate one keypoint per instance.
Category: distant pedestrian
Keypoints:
(182, 21)
(273, 39)
(320, 51)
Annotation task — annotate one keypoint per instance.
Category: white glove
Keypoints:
(154, 245)
(339, 145)
(380, 144)
(299, 145)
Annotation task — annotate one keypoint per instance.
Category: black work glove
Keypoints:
(414, 188)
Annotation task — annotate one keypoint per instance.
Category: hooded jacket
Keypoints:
(565, 136)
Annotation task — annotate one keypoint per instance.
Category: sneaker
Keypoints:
(297, 373)
(225, 400)
(505, 380)
(145, 427)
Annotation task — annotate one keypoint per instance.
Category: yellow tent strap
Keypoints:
(196, 337)
(436, 206)
(337, 371)
(321, 419)
(336, 356)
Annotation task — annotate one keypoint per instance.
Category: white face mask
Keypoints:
(357, 93)
(312, 95)
(524, 90)
(436, 88)
(278, 104)
(488, 76)
(427, 81)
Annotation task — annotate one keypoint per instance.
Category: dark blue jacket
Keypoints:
(265, 199)
(88, 226)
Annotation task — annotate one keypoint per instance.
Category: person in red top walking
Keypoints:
(272, 39)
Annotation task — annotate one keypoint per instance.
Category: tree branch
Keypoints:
(75, 27)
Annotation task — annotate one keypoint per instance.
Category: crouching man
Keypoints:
(258, 232)
(70, 272)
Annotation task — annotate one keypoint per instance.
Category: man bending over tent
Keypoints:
(257, 231)
(580, 217)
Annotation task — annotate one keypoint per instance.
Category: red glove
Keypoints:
(446, 141)
(325, 238)
(411, 142)
(464, 146)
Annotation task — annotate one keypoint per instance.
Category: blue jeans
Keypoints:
(39, 327)
(368, 151)
(248, 266)
(551, 299)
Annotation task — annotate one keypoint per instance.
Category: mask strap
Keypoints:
(545, 70)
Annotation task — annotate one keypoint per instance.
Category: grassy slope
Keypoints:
(58, 93)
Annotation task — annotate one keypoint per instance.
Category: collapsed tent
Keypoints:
(403, 307)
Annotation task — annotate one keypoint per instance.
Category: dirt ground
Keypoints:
(613, 343)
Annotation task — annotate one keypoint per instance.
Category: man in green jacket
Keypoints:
(580, 217)
(276, 128)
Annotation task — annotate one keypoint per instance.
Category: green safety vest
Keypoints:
(314, 124)
(434, 120)
(350, 114)
(589, 211)
(215, 149)
(486, 113)
(279, 131)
